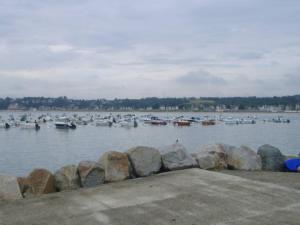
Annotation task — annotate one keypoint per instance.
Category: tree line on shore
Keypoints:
(152, 103)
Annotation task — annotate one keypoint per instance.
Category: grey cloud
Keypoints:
(292, 79)
(200, 77)
(64, 86)
(158, 39)
(247, 55)
(32, 57)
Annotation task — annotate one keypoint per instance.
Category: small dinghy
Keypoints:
(292, 165)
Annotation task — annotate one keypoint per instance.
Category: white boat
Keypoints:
(154, 120)
(30, 125)
(47, 119)
(64, 125)
(128, 123)
(103, 123)
(231, 121)
(182, 122)
(247, 121)
(280, 119)
(285, 120)
(4, 125)
(83, 120)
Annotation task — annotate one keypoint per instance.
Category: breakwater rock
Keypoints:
(91, 173)
(206, 161)
(175, 157)
(9, 188)
(145, 161)
(272, 158)
(223, 156)
(116, 166)
(67, 178)
(218, 151)
(140, 161)
(39, 181)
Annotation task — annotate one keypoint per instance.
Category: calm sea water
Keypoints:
(23, 150)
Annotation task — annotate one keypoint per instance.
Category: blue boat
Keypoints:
(292, 164)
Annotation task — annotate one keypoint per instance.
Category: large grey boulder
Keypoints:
(230, 157)
(219, 151)
(91, 173)
(206, 161)
(175, 157)
(144, 160)
(271, 158)
(243, 158)
(116, 166)
(9, 188)
(67, 178)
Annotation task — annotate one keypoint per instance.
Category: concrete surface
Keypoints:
(291, 180)
(183, 197)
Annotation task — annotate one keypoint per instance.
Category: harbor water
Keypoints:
(22, 150)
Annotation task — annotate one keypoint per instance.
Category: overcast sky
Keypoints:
(142, 48)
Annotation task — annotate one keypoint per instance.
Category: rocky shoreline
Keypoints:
(140, 161)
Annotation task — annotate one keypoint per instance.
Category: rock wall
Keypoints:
(140, 161)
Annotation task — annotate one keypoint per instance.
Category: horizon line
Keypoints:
(182, 97)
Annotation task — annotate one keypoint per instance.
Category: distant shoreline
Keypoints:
(148, 111)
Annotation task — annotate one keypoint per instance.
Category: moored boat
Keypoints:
(128, 123)
(247, 121)
(158, 122)
(155, 121)
(30, 125)
(5, 125)
(208, 122)
(230, 121)
(64, 125)
(182, 123)
(103, 123)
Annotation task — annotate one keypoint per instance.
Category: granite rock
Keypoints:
(116, 166)
(175, 157)
(40, 181)
(144, 160)
(67, 178)
(91, 173)
(271, 158)
(9, 188)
